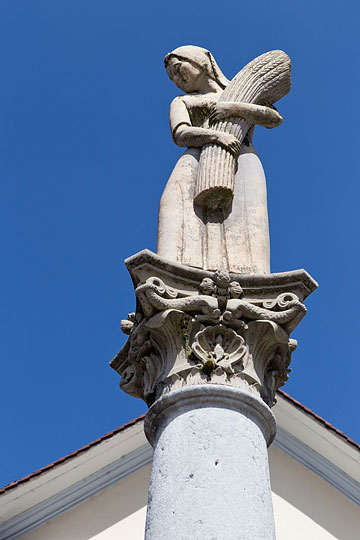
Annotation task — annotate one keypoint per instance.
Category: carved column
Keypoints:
(207, 351)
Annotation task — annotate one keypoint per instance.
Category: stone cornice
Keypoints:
(146, 263)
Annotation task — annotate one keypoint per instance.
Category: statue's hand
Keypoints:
(220, 111)
(228, 141)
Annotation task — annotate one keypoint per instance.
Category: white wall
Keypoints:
(118, 513)
(305, 507)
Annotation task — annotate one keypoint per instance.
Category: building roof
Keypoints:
(73, 454)
(56, 488)
(318, 418)
(133, 422)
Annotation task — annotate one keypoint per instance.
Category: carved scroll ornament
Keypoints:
(213, 336)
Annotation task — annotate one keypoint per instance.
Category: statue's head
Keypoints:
(187, 67)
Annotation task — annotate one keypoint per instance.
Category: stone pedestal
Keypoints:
(207, 351)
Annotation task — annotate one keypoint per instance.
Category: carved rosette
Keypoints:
(212, 335)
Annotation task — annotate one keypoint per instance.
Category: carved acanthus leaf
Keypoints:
(179, 338)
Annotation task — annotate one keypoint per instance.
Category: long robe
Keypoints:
(237, 240)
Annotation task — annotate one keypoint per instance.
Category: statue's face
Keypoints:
(185, 75)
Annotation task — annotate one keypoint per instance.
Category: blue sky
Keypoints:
(85, 154)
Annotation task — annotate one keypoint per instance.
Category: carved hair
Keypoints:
(202, 58)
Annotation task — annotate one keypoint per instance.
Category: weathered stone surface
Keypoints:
(193, 327)
(210, 476)
(213, 213)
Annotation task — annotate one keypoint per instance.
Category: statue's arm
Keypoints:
(184, 134)
(255, 114)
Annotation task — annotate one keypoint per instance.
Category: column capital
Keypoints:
(196, 327)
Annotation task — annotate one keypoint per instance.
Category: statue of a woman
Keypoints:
(236, 237)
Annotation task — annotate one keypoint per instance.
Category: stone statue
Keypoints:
(209, 342)
(213, 212)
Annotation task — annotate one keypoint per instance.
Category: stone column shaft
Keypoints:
(210, 473)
